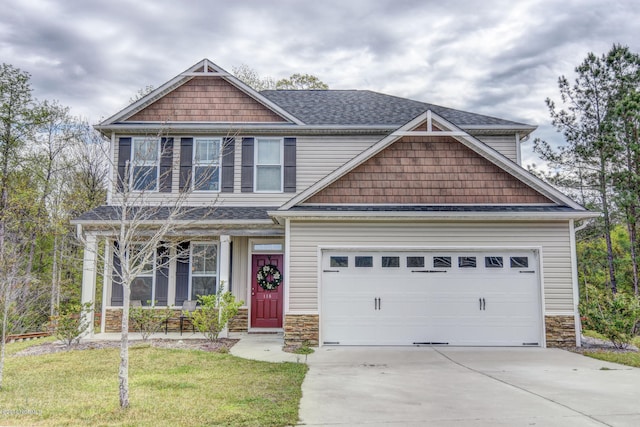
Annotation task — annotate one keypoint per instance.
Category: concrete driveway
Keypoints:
(396, 386)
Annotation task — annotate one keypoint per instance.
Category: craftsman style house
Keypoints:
(343, 217)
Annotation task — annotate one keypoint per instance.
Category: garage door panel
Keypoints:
(402, 298)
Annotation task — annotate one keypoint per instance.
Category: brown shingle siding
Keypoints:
(428, 170)
(206, 99)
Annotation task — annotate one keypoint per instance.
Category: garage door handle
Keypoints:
(483, 304)
(376, 303)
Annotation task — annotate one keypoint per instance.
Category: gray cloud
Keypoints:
(494, 57)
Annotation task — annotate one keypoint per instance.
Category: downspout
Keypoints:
(518, 153)
(574, 267)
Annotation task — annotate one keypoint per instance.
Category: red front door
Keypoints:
(266, 306)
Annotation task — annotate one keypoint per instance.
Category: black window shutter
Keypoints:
(289, 165)
(182, 273)
(162, 275)
(166, 165)
(124, 155)
(228, 153)
(116, 286)
(246, 184)
(186, 156)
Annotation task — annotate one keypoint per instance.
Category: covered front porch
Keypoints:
(200, 258)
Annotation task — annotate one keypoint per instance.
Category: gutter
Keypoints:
(430, 216)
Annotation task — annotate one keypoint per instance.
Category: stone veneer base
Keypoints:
(560, 331)
(113, 321)
(301, 329)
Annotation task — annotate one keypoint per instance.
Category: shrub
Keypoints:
(214, 313)
(149, 320)
(71, 322)
(614, 316)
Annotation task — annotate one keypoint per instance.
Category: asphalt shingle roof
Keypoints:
(364, 107)
(152, 213)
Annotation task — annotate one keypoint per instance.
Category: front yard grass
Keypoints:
(168, 387)
(631, 358)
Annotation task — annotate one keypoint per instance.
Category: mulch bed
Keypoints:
(223, 345)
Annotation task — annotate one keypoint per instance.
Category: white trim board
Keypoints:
(469, 141)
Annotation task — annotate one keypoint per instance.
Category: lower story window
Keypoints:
(204, 269)
(143, 285)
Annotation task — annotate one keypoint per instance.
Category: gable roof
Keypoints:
(204, 68)
(365, 107)
(446, 129)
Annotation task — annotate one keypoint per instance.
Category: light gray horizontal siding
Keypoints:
(316, 158)
(504, 144)
(552, 237)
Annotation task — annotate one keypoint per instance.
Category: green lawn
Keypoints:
(167, 388)
(628, 358)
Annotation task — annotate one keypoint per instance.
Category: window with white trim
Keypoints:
(204, 269)
(206, 164)
(143, 285)
(145, 164)
(268, 164)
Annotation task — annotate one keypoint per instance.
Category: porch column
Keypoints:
(224, 259)
(89, 279)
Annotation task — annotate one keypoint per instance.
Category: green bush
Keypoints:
(71, 322)
(214, 313)
(614, 316)
(148, 320)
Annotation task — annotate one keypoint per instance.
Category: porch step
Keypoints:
(265, 331)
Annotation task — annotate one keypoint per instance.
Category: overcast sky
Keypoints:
(500, 58)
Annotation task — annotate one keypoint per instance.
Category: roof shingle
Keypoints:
(364, 107)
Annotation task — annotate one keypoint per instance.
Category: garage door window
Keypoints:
(415, 261)
(467, 262)
(364, 261)
(442, 261)
(390, 261)
(519, 262)
(493, 262)
(339, 261)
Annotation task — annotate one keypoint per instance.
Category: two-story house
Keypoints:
(344, 217)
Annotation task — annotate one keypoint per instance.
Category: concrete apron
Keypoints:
(394, 386)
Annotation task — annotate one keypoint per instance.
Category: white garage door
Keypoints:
(431, 297)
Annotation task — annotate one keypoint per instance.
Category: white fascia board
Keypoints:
(232, 128)
(431, 216)
(517, 171)
(461, 136)
(179, 223)
(240, 85)
(353, 163)
(516, 128)
(154, 95)
(184, 77)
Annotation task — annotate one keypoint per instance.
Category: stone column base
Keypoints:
(240, 322)
(560, 331)
(301, 329)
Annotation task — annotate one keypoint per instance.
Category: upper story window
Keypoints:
(145, 168)
(268, 164)
(206, 164)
